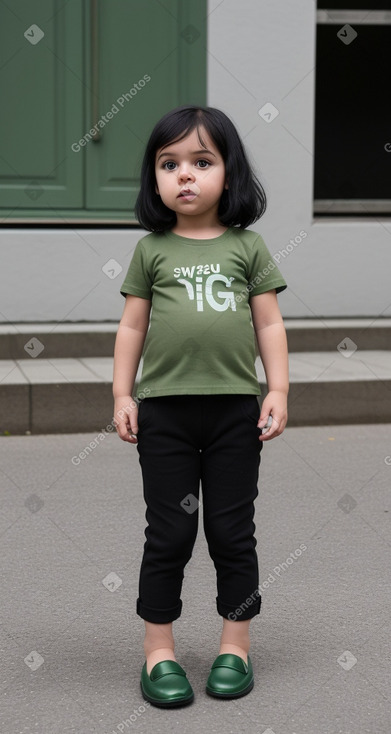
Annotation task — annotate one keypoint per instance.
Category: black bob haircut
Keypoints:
(240, 205)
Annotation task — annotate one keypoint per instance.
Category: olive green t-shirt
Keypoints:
(201, 339)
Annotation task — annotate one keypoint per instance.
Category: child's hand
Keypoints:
(125, 418)
(274, 404)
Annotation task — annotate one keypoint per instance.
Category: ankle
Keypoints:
(158, 636)
(157, 656)
(234, 649)
(150, 649)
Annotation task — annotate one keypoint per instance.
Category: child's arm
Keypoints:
(273, 349)
(128, 348)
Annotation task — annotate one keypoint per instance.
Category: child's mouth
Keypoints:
(189, 197)
(187, 194)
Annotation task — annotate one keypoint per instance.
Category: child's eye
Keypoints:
(167, 165)
(171, 165)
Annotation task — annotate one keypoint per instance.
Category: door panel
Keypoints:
(41, 86)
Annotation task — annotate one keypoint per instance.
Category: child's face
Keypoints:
(186, 165)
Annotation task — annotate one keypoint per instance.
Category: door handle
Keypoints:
(95, 70)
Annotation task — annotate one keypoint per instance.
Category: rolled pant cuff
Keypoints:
(247, 610)
(158, 616)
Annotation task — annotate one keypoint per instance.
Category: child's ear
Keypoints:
(157, 190)
(226, 184)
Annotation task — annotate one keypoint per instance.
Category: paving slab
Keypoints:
(11, 373)
(46, 372)
(71, 539)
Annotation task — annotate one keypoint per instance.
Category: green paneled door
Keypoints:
(84, 83)
(41, 93)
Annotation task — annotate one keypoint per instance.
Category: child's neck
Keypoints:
(206, 232)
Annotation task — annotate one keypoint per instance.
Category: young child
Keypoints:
(212, 286)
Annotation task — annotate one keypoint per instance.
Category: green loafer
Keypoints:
(230, 677)
(167, 685)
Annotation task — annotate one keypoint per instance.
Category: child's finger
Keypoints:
(266, 414)
(133, 422)
(265, 422)
(124, 430)
(273, 429)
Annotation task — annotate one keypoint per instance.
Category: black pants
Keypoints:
(183, 440)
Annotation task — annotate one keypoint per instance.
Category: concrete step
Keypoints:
(97, 340)
(72, 395)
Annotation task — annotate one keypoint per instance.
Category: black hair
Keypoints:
(240, 205)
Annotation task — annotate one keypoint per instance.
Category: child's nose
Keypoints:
(185, 173)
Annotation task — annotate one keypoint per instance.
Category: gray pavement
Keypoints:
(71, 541)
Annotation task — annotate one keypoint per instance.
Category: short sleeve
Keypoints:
(138, 281)
(263, 273)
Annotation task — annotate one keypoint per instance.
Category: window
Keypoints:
(352, 166)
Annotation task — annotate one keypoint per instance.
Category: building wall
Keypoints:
(258, 52)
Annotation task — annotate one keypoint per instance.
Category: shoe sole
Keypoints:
(216, 694)
(167, 704)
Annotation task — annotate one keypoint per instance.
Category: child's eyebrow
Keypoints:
(194, 152)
